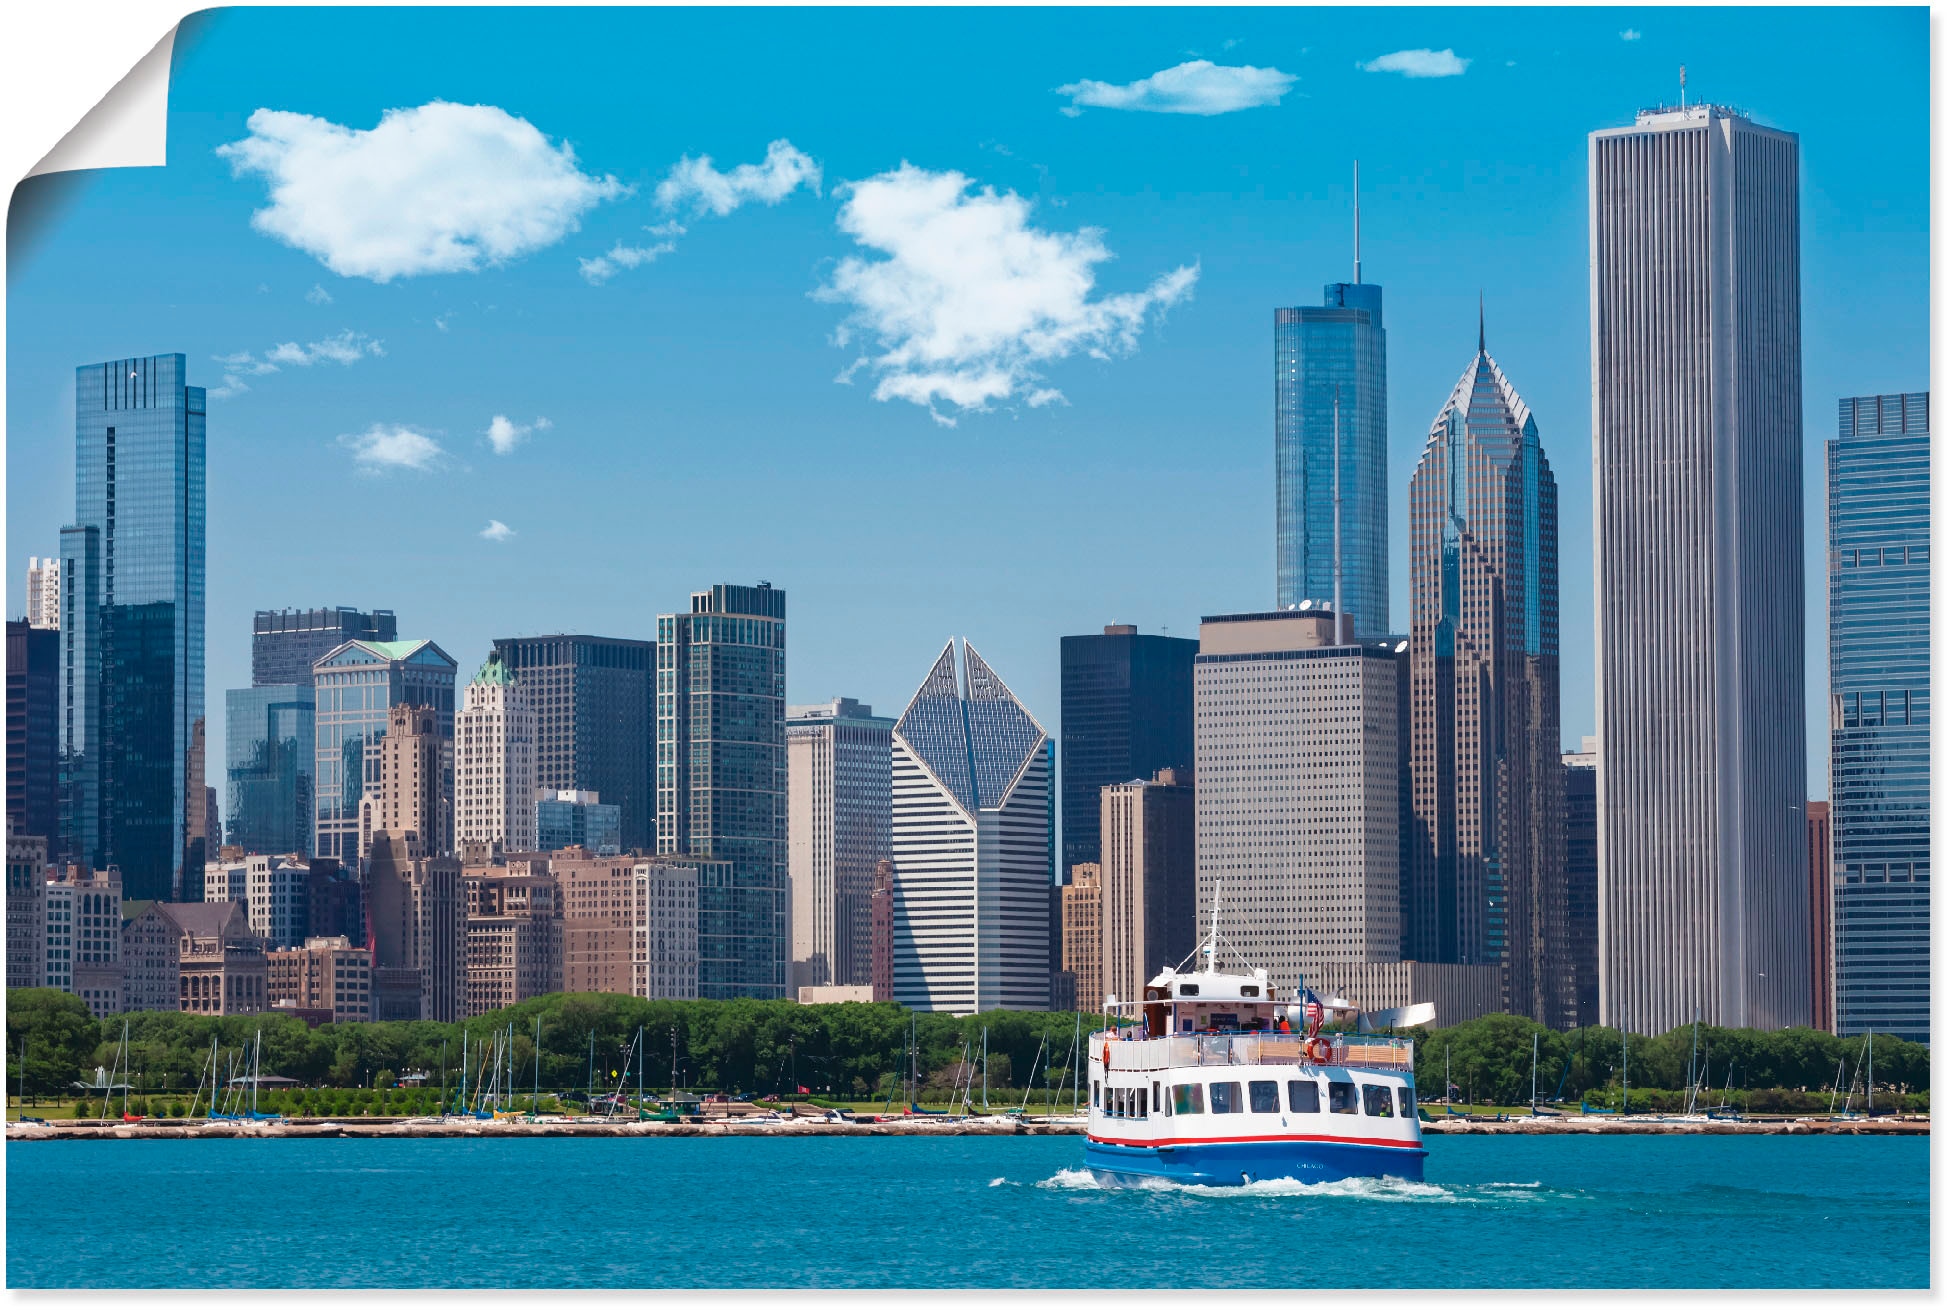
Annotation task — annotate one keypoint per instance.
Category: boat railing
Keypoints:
(1344, 1050)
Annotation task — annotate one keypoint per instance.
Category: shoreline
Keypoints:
(167, 1130)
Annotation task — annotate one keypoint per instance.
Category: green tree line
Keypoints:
(760, 1048)
(1491, 1057)
(856, 1050)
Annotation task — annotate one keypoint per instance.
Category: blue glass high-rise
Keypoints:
(272, 745)
(356, 687)
(132, 626)
(720, 780)
(1877, 519)
(1337, 348)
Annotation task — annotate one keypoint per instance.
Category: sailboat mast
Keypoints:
(983, 1066)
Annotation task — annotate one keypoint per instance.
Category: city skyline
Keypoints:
(1103, 476)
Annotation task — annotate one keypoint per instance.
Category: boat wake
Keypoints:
(1353, 1189)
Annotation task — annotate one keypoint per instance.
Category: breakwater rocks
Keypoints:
(152, 1129)
(1673, 1125)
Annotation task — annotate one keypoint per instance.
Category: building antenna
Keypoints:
(1338, 550)
(1355, 223)
(1483, 312)
(1683, 87)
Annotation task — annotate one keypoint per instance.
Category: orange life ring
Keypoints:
(1319, 1050)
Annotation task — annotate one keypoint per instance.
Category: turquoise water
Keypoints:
(957, 1212)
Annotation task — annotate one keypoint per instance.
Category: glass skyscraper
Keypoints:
(132, 627)
(1335, 348)
(595, 720)
(1484, 882)
(1126, 711)
(284, 644)
(272, 758)
(356, 687)
(721, 779)
(1877, 481)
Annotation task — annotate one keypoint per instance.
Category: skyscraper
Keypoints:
(132, 625)
(272, 761)
(1297, 791)
(721, 778)
(1818, 840)
(493, 761)
(973, 836)
(1699, 570)
(44, 592)
(357, 686)
(594, 703)
(1149, 880)
(33, 730)
(1125, 713)
(1579, 881)
(414, 890)
(1485, 882)
(1330, 412)
(285, 644)
(1878, 519)
(840, 764)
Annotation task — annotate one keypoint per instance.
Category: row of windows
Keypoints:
(1301, 1097)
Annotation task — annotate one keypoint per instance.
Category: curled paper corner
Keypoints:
(128, 128)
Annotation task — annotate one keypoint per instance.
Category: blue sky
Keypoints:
(921, 409)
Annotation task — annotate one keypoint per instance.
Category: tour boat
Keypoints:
(1214, 1078)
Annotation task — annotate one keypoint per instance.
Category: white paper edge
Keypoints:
(128, 127)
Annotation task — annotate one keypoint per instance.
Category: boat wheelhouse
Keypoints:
(1213, 1077)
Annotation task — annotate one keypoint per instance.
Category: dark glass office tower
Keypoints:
(1126, 711)
(284, 644)
(272, 751)
(594, 709)
(1877, 478)
(356, 687)
(1338, 348)
(132, 626)
(720, 778)
(33, 732)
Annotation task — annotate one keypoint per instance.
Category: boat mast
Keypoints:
(1534, 1057)
(983, 1063)
(1696, 1017)
(256, 1072)
(1869, 1071)
(1210, 948)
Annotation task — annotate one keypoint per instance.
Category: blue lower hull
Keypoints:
(1232, 1163)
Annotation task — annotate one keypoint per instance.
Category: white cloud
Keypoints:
(384, 447)
(1419, 63)
(603, 267)
(503, 434)
(496, 530)
(971, 301)
(1198, 87)
(1630, 34)
(442, 188)
(698, 183)
(317, 295)
(441, 321)
(347, 347)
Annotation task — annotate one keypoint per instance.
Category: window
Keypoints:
(1188, 1098)
(1405, 1095)
(1095, 1093)
(1378, 1104)
(1303, 1095)
(1226, 1098)
(1343, 1098)
(1264, 1098)
(1142, 1103)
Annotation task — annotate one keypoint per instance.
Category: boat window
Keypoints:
(1187, 989)
(1247, 990)
(1226, 1098)
(1142, 1103)
(1188, 1098)
(1303, 1094)
(1344, 1098)
(1264, 1098)
(1378, 1103)
(1094, 1093)
(1222, 1022)
(1156, 1096)
(1405, 1095)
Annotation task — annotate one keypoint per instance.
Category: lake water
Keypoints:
(955, 1212)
